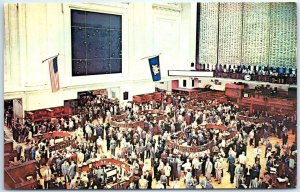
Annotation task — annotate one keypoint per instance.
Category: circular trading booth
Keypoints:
(124, 122)
(180, 142)
(117, 173)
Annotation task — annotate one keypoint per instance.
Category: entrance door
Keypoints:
(13, 112)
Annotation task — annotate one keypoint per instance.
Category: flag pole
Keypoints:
(150, 56)
(50, 58)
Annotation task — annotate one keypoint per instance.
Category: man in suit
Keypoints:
(179, 167)
(174, 171)
(248, 175)
(148, 177)
(256, 138)
(257, 153)
(64, 170)
(218, 168)
(58, 164)
(113, 144)
(230, 160)
(32, 152)
(72, 170)
(277, 147)
(284, 138)
(164, 180)
(238, 174)
(27, 152)
(142, 152)
(255, 170)
(47, 176)
(231, 171)
(148, 149)
(91, 184)
(208, 169)
(19, 151)
(80, 157)
(254, 183)
(268, 147)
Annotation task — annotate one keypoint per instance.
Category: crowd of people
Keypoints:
(280, 75)
(149, 158)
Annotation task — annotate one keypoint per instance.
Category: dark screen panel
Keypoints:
(78, 18)
(78, 43)
(98, 66)
(116, 47)
(97, 20)
(115, 22)
(78, 67)
(97, 43)
(97, 40)
(115, 66)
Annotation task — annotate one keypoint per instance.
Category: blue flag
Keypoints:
(154, 68)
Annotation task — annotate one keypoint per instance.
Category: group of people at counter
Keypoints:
(149, 157)
(282, 75)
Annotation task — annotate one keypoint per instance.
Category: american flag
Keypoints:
(54, 78)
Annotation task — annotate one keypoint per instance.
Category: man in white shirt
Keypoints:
(188, 176)
(74, 183)
(232, 153)
(167, 170)
(143, 183)
(71, 124)
(51, 142)
(208, 169)
(251, 136)
(159, 185)
(187, 166)
(257, 152)
(176, 185)
(243, 159)
(47, 176)
(80, 157)
(99, 143)
(218, 167)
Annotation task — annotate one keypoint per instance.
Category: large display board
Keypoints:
(256, 22)
(259, 34)
(230, 33)
(208, 33)
(283, 35)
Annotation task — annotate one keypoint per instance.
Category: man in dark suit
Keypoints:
(91, 184)
(284, 138)
(19, 151)
(231, 171)
(247, 175)
(148, 177)
(27, 152)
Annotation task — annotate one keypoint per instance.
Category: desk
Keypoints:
(117, 163)
(15, 176)
(281, 183)
(52, 135)
(233, 90)
(185, 91)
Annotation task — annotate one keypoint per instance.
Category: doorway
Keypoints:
(13, 112)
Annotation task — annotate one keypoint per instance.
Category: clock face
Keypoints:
(247, 77)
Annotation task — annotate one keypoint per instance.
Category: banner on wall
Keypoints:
(155, 68)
